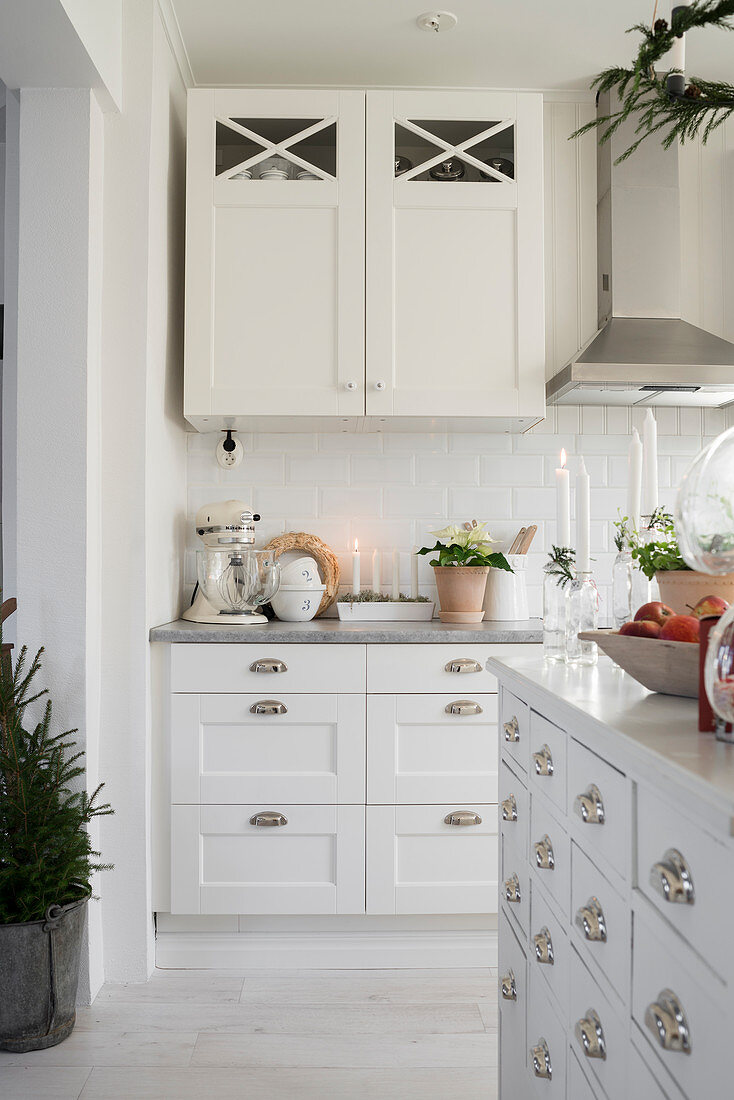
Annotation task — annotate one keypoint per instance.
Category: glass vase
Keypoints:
(582, 613)
(554, 620)
(622, 571)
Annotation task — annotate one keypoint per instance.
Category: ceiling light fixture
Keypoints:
(437, 21)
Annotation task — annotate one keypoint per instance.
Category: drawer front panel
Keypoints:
(512, 993)
(549, 949)
(705, 924)
(514, 805)
(547, 762)
(556, 880)
(514, 729)
(312, 752)
(600, 921)
(643, 1082)
(221, 862)
(591, 1008)
(597, 790)
(303, 668)
(445, 668)
(515, 886)
(420, 754)
(545, 1030)
(418, 863)
(579, 1088)
(661, 965)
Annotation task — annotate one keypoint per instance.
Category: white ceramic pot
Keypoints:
(297, 603)
(506, 596)
(301, 571)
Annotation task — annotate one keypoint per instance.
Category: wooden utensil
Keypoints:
(527, 538)
(517, 540)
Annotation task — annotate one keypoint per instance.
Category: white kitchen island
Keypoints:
(617, 888)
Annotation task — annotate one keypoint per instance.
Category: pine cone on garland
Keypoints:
(661, 26)
(693, 92)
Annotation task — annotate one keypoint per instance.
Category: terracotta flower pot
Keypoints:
(461, 592)
(681, 589)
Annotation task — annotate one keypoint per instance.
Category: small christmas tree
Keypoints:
(46, 854)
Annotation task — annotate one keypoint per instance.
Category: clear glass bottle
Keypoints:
(554, 619)
(622, 571)
(582, 613)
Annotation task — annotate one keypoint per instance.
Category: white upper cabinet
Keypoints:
(296, 225)
(275, 255)
(455, 311)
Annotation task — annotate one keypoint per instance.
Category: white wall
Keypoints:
(99, 26)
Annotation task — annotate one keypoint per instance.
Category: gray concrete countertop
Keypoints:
(333, 630)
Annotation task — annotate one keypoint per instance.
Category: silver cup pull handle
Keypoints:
(462, 817)
(512, 729)
(509, 808)
(540, 1057)
(590, 806)
(508, 986)
(590, 1035)
(545, 860)
(462, 664)
(512, 890)
(544, 947)
(543, 761)
(667, 1021)
(268, 664)
(590, 919)
(672, 878)
(268, 706)
(463, 707)
(268, 819)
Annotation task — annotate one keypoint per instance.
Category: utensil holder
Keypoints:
(506, 594)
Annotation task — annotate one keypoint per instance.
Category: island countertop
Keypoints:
(601, 704)
(322, 631)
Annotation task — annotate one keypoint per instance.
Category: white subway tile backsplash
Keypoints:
(568, 420)
(602, 444)
(255, 470)
(618, 421)
(410, 502)
(350, 502)
(350, 443)
(474, 444)
(447, 469)
(413, 443)
(667, 421)
(593, 420)
(480, 504)
(317, 470)
(530, 505)
(382, 470)
(690, 421)
(280, 501)
(285, 443)
(714, 421)
(512, 470)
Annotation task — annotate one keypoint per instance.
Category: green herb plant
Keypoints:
(46, 854)
(468, 545)
(660, 551)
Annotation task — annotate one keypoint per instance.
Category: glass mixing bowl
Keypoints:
(237, 580)
(704, 514)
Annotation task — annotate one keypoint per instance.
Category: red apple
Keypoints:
(681, 628)
(656, 612)
(709, 605)
(646, 628)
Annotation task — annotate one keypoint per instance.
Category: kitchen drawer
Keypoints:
(600, 921)
(549, 950)
(221, 862)
(590, 1007)
(547, 762)
(643, 1082)
(512, 993)
(598, 805)
(663, 836)
(418, 753)
(228, 668)
(313, 752)
(556, 879)
(418, 863)
(580, 1089)
(662, 965)
(514, 729)
(514, 803)
(547, 1042)
(445, 668)
(515, 886)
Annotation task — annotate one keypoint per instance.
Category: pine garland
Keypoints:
(561, 564)
(702, 107)
(46, 854)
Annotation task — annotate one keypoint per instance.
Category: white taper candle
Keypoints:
(563, 504)
(355, 569)
(649, 464)
(396, 574)
(376, 572)
(634, 481)
(414, 573)
(583, 520)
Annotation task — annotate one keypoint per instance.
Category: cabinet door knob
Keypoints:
(462, 664)
(512, 889)
(350, 385)
(543, 761)
(379, 385)
(268, 819)
(590, 806)
(666, 1019)
(509, 808)
(463, 707)
(544, 947)
(268, 706)
(590, 1034)
(512, 729)
(462, 817)
(544, 858)
(541, 1060)
(672, 878)
(268, 664)
(508, 988)
(590, 919)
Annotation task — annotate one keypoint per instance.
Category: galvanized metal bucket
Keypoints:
(39, 973)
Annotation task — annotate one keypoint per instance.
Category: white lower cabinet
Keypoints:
(432, 859)
(513, 1007)
(547, 1043)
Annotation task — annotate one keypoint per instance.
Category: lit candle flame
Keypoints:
(356, 545)
(563, 458)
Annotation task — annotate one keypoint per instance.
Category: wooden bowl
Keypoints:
(668, 667)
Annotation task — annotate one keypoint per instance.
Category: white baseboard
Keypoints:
(330, 950)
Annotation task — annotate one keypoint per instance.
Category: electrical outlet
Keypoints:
(229, 456)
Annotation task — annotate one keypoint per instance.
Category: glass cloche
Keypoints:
(704, 519)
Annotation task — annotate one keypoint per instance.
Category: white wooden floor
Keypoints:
(287, 1035)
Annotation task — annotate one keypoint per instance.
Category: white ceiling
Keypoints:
(497, 43)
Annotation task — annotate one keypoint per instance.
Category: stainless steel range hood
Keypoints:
(643, 353)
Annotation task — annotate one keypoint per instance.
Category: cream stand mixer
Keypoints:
(233, 579)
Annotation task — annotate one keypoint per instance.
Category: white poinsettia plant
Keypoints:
(466, 544)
